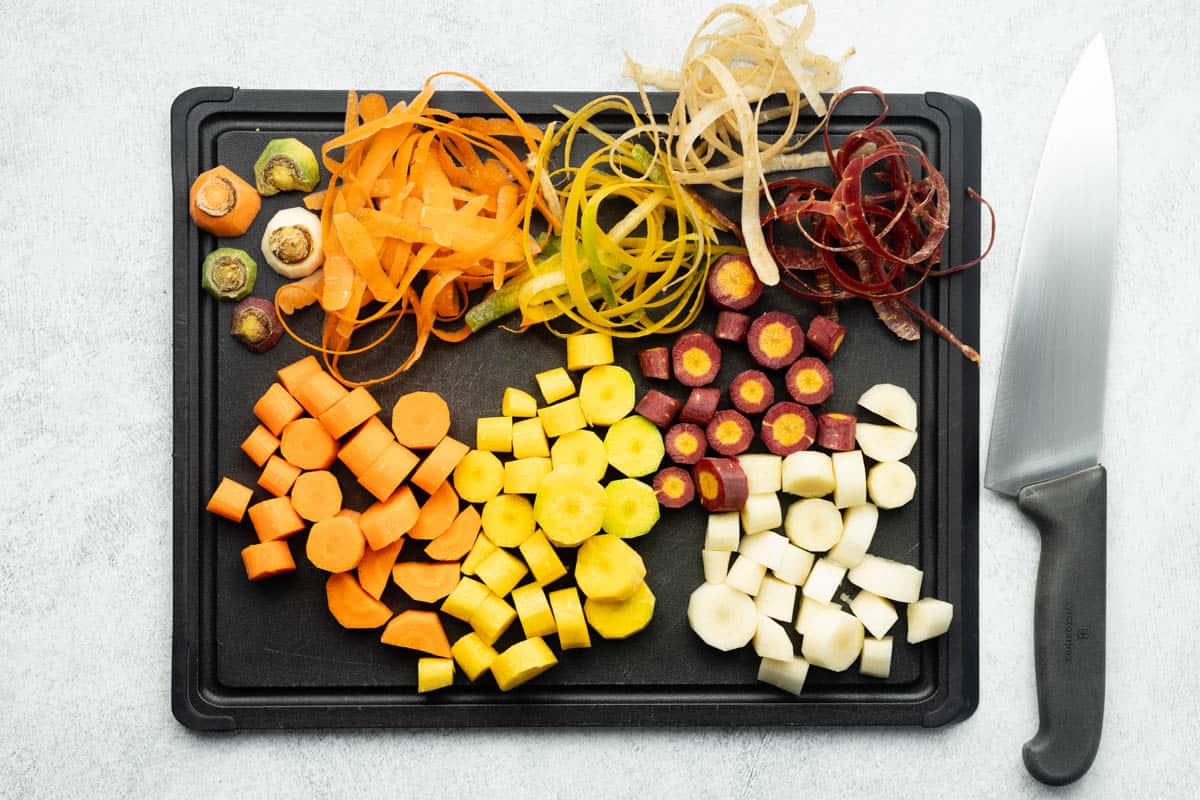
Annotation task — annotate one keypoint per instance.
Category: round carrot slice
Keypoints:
(335, 544)
(420, 419)
(316, 495)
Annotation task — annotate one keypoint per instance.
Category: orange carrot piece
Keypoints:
(420, 419)
(230, 500)
(350, 513)
(427, 582)
(438, 513)
(348, 413)
(278, 476)
(318, 392)
(418, 630)
(260, 445)
(350, 604)
(388, 471)
(458, 539)
(439, 464)
(277, 408)
(385, 522)
(307, 444)
(275, 519)
(222, 203)
(376, 567)
(366, 445)
(267, 559)
(335, 544)
(298, 372)
(317, 495)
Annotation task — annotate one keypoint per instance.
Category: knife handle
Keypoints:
(1071, 514)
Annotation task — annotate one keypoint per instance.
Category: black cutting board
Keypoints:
(268, 655)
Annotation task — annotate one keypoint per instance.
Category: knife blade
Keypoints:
(1048, 423)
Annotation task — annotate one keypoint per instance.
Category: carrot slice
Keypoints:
(457, 540)
(438, 513)
(388, 471)
(230, 500)
(366, 445)
(260, 445)
(427, 582)
(386, 522)
(275, 519)
(350, 604)
(376, 567)
(277, 408)
(317, 495)
(222, 203)
(267, 559)
(297, 372)
(318, 392)
(420, 419)
(348, 413)
(278, 476)
(307, 444)
(335, 544)
(438, 465)
(418, 630)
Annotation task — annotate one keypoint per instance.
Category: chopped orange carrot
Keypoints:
(277, 408)
(425, 581)
(275, 519)
(438, 513)
(418, 630)
(335, 544)
(317, 495)
(366, 445)
(420, 420)
(457, 540)
(222, 203)
(388, 471)
(230, 499)
(260, 445)
(267, 559)
(438, 465)
(376, 567)
(278, 476)
(350, 604)
(318, 392)
(348, 413)
(307, 444)
(385, 522)
(297, 372)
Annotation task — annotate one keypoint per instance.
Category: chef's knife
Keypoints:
(1046, 433)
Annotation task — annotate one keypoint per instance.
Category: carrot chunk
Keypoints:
(376, 567)
(366, 445)
(307, 444)
(222, 203)
(350, 604)
(348, 413)
(418, 630)
(318, 392)
(260, 445)
(230, 499)
(427, 582)
(317, 495)
(278, 476)
(297, 372)
(388, 471)
(267, 559)
(457, 540)
(387, 521)
(274, 519)
(277, 408)
(439, 464)
(420, 419)
(335, 544)
(438, 513)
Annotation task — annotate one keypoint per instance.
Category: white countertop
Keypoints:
(85, 393)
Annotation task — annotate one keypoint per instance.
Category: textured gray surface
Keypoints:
(85, 398)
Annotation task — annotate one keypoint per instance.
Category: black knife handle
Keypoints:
(1071, 514)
